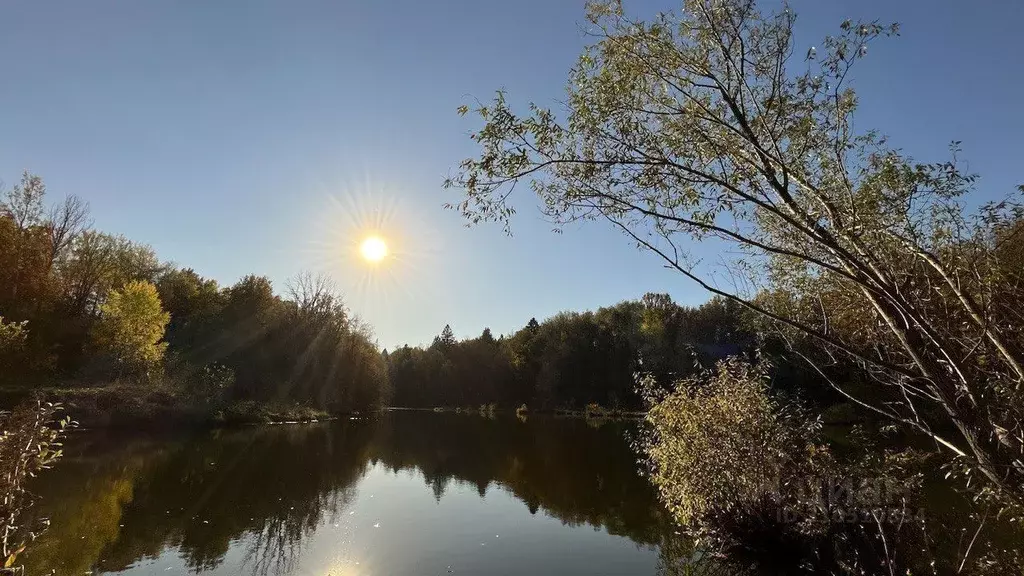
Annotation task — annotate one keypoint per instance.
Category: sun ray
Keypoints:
(376, 244)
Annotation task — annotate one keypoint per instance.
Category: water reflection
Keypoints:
(408, 493)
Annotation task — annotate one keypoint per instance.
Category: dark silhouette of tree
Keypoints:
(445, 340)
(571, 359)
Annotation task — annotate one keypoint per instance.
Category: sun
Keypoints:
(373, 249)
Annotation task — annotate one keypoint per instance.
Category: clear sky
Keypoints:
(244, 136)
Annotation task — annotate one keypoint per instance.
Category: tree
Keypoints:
(98, 263)
(696, 126)
(445, 340)
(24, 203)
(130, 328)
(194, 304)
(66, 222)
(26, 285)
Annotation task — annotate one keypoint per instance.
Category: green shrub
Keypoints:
(721, 442)
(748, 475)
(209, 384)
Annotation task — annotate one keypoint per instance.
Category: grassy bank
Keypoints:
(139, 407)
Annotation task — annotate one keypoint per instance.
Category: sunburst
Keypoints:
(375, 244)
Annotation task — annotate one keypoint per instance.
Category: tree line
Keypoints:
(573, 358)
(80, 306)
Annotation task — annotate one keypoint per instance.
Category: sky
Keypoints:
(250, 136)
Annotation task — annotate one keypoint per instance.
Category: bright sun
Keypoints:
(373, 249)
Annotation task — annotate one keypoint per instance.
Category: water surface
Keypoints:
(407, 493)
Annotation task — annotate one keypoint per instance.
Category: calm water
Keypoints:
(408, 493)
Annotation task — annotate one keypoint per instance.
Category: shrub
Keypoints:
(720, 442)
(522, 410)
(747, 475)
(13, 336)
(209, 384)
(29, 443)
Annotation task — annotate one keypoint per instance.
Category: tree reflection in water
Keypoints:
(266, 490)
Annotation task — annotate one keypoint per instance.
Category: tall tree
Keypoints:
(696, 125)
(23, 203)
(445, 340)
(194, 304)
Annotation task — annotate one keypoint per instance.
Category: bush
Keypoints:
(251, 412)
(29, 443)
(522, 410)
(720, 442)
(128, 405)
(209, 384)
(594, 410)
(13, 336)
(747, 475)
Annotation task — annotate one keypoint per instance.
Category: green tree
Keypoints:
(130, 329)
(194, 304)
(695, 125)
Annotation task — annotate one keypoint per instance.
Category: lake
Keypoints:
(404, 493)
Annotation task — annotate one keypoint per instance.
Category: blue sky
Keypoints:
(264, 137)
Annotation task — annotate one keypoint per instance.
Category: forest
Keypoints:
(81, 309)
(572, 359)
